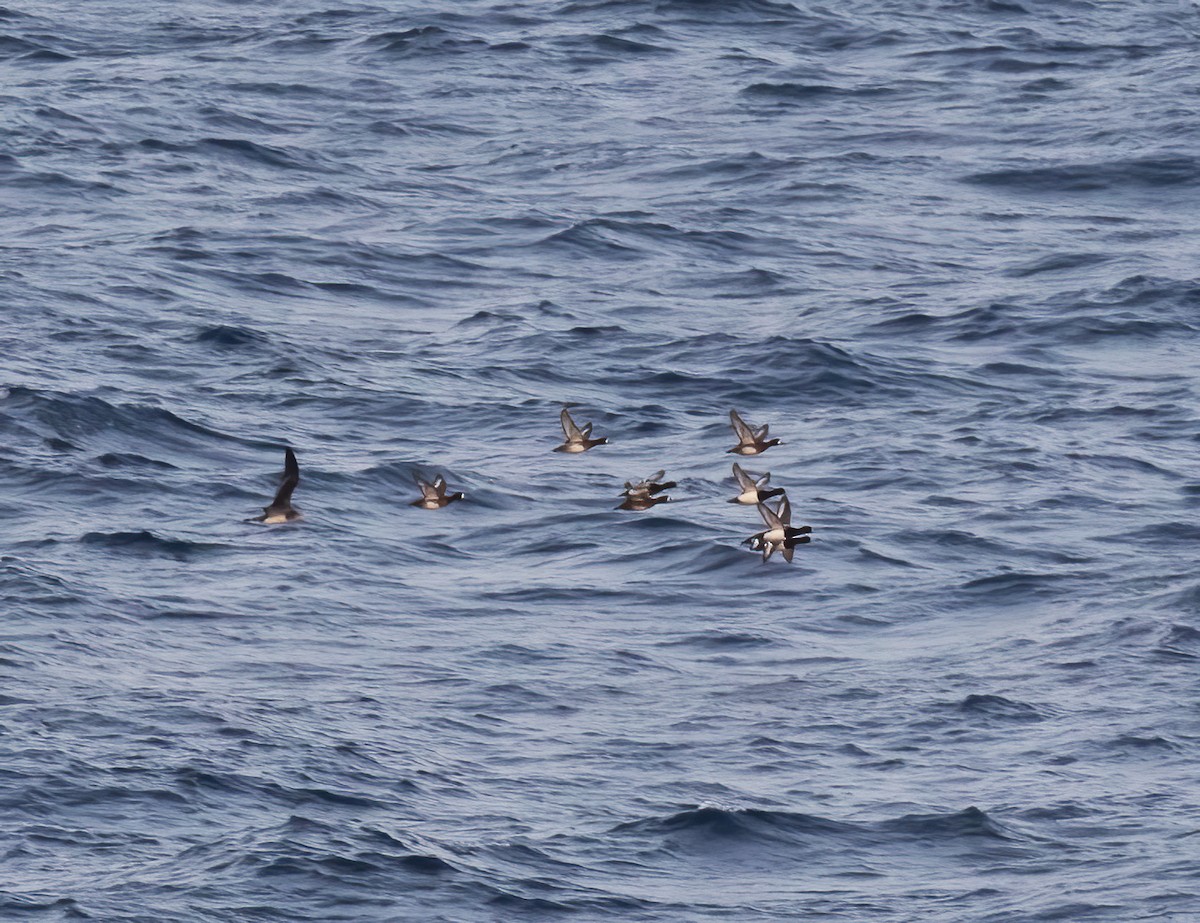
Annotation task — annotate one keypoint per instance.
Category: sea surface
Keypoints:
(947, 250)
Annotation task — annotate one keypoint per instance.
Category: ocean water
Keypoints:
(946, 249)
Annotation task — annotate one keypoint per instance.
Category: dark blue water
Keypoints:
(946, 249)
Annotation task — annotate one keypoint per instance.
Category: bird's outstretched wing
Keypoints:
(570, 430)
(740, 428)
(291, 477)
(770, 516)
(428, 491)
(745, 482)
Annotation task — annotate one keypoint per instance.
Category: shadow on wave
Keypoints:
(424, 42)
(612, 47)
(148, 544)
(711, 825)
(630, 240)
(232, 337)
(246, 152)
(819, 369)
(72, 418)
(347, 861)
(785, 93)
(747, 12)
(1129, 173)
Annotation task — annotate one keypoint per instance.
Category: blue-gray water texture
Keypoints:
(947, 249)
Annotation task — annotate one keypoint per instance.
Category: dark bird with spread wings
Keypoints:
(644, 494)
(750, 441)
(576, 439)
(779, 532)
(281, 509)
(433, 495)
(753, 489)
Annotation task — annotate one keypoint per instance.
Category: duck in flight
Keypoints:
(645, 494)
(576, 439)
(650, 486)
(779, 532)
(433, 495)
(750, 441)
(751, 489)
(281, 509)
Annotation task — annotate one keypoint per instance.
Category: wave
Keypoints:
(1017, 587)
(709, 11)
(1057, 262)
(24, 586)
(68, 908)
(1000, 708)
(73, 418)
(713, 826)
(11, 46)
(133, 460)
(969, 823)
(147, 543)
(1180, 642)
(710, 822)
(790, 91)
(422, 41)
(1122, 174)
(231, 336)
(724, 640)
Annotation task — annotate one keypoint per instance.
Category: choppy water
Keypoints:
(946, 249)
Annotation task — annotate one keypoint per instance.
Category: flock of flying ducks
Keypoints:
(779, 534)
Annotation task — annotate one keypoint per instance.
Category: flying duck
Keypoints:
(643, 494)
(640, 502)
(576, 439)
(650, 486)
(750, 441)
(434, 496)
(779, 532)
(751, 490)
(281, 509)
